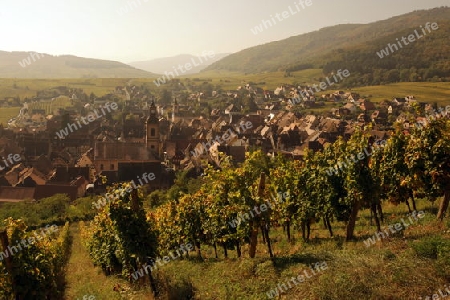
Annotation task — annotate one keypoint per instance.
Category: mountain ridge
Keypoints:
(29, 64)
(308, 47)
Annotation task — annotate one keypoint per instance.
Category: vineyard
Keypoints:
(235, 214)
(234, 205)
(398, 171)
(50, 106)
(33, 270)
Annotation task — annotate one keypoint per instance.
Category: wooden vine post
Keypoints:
(8, 260)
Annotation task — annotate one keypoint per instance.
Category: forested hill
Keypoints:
(425, 59)
(311, 49)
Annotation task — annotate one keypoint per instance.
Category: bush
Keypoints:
(51, 210)
(81, 209)
(433, 247)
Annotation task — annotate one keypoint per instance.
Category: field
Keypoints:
(7, 113)
(51, 106)
(424, 91)
(429, 92)
(12, 87)
(268, 81)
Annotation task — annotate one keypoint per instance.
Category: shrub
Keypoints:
(433, 247)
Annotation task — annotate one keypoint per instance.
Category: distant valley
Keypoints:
(355, 47)
(166, 64)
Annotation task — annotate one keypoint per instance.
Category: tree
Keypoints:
(393, 76)
(165, 97)
(405, 75)
(337, 193)
(249, 104)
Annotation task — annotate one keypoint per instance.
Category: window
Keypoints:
(111, 167)
(101, 167)
(152, 132)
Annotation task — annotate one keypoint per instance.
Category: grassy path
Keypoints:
(83, 279)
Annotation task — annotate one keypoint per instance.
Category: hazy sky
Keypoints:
(103, 29)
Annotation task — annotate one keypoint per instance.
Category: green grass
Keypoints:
(390, 269)
(82, 278)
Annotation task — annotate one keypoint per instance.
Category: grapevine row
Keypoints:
(235, 204)
(33, 263)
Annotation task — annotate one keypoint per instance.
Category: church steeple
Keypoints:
(152, 139)
(153, 118)
(175, 109)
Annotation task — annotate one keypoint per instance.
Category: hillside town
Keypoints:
(168, 150)
(129, 132)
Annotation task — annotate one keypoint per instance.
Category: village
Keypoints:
(142, 134)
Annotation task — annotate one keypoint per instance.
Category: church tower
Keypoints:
(152, 140)
(175, 110)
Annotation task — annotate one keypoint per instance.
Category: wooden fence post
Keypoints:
(8, 260)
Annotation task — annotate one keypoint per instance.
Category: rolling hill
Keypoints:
(310, 49)
(161, 65)
(36, 65)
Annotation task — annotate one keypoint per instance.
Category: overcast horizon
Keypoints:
(152, 29)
